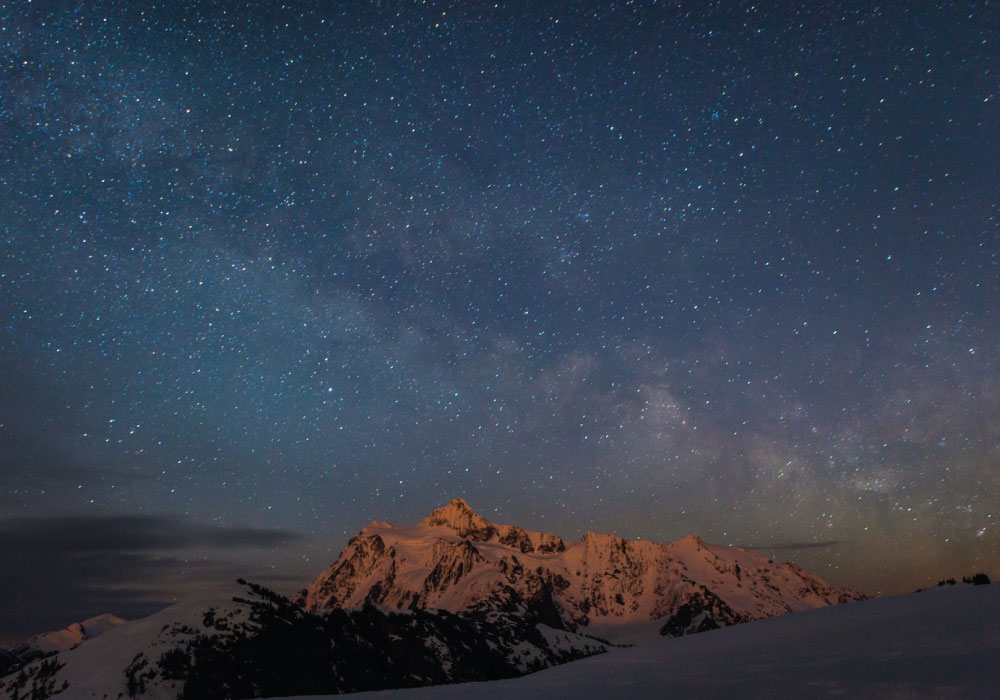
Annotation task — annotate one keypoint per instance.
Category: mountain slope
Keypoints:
(602, 585)
(256, 643)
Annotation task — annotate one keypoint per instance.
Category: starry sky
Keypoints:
(271, 272)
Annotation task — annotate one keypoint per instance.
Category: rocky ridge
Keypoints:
(604, 585)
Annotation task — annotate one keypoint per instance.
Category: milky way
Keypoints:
(631, 267)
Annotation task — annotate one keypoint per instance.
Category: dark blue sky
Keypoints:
(639, 267)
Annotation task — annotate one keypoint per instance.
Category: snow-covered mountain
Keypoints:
(455, 598)
(603, 585)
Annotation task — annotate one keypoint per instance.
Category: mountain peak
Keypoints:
(458, 516)
(460, 504)
(690, 541)
(102, 621)
(457, 507)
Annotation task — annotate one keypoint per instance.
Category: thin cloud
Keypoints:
(791, 546)
(129, 533)
(61, 570)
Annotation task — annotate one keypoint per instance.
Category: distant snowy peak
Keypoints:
(604, 584)
(74, 634)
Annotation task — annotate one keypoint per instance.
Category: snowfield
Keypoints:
(941, 643)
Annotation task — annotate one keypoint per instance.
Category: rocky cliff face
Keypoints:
(603, 584)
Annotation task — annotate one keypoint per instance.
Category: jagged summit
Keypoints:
(455, 505)
(458, 516)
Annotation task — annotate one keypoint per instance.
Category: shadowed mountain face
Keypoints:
(455, 559)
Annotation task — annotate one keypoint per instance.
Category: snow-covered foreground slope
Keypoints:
(942, 643)
(605, 585)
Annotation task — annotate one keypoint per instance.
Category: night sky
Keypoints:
(270, 273)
